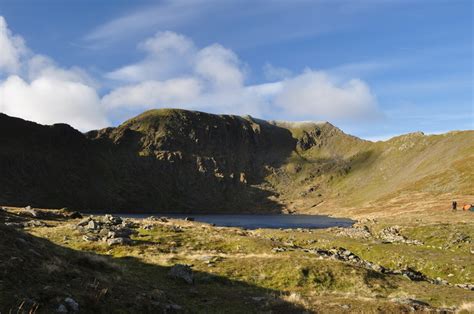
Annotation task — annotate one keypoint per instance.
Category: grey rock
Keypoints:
(120, 233)
(92, 225)
(61, 309)
(90, 238)
(174, 307)
(34, 223)
(119, 241)
(28, 211)
(114, 220)
(84, 222)
(71, 304)
(183, 272)
(413, 275)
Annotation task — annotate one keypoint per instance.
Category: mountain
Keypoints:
(173, 160)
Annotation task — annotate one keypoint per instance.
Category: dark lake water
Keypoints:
(261, 221)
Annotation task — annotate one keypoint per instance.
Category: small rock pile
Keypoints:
(110, 229)
(356, 232)
(392, 235)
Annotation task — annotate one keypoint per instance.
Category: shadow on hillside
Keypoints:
(37, 276)
(55, 167)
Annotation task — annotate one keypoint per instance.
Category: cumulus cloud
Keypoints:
(315, 93)
(173, 72)
(173, 92)
(44, 92)
(220, 66)
(49, 100)
(213, 79)
(12, 49)
(167, 55)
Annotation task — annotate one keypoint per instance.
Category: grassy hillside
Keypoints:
(52, 260)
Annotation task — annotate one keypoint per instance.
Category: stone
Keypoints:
(92, 225)
(71, 304)
(119, 241)
(84, 222)
(278, 249)
(258, 299)
(114, 220)
(28, 211)
(34, 223)
(90, 238)
(183, 272)
(189, 219)
(61, 309)
(119, 233)
(413, 275)
(176, 229)
(174, 307)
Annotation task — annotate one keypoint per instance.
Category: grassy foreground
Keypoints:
(235, 270)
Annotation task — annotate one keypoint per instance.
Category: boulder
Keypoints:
(71, 305)
(114, 220)
(120, 233)
(119, 241)
(92, 225)
(183, 272)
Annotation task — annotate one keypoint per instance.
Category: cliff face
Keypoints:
(182, 161)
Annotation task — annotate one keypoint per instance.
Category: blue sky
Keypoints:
(374, 68)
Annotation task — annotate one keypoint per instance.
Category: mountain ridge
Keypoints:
(172, 160)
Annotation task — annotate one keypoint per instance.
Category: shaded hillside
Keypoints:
(170, 160)
(182, 161)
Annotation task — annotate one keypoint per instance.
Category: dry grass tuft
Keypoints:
(467, 307)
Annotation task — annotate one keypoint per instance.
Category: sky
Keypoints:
(376, 69)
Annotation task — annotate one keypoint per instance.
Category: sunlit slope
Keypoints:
(350, 171)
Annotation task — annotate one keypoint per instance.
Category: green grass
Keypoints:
(242, 263)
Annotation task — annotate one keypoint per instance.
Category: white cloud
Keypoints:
(168, 55)
(314, 93)
(48, 100)
(173, 73)
(148, 94)
(220, 66)
(213, 79)
(12, 48)
(43, 92)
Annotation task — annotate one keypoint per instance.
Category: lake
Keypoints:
(260, 221)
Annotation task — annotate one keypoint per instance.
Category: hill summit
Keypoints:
(172, 160)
